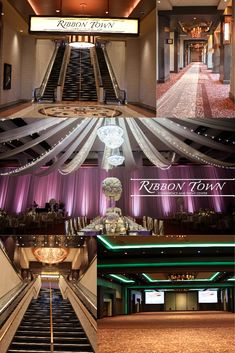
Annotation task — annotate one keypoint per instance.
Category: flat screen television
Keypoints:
(207, 296)
(154, 297)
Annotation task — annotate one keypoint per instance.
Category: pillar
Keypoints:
(176, 52)
(163, 49)
(100, 302)
(216, 51)
(225, 57)
(232, 86)
(210, 52)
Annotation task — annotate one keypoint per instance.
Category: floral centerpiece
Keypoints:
(112, 188)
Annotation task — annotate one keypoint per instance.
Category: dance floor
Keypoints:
(175, 332)
(194, 92)
(74, 110)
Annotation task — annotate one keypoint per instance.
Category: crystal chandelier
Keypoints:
(50, 255)
(111, 135)
(116, 158)
(196, 32)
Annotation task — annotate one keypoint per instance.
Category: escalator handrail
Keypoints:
(2, 247)
(118, 92)
(12, 304)
(64, 65)
(42, 88)
(91, 307)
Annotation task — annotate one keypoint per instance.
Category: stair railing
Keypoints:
(97, 73)
(51, 322)
(39, 91)
(63, 71)
(120, 94)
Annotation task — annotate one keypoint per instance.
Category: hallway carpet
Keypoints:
(194, 92)
(164, 332)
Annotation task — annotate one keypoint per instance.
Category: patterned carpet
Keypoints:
(194, 92)
(176, 332)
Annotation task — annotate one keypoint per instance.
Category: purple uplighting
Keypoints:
(82, 195)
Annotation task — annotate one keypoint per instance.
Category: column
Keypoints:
(163, 49)
(100, 302)
(216, 51)
(176, 52)
(232, 86)
(225, 57)
(210, 52)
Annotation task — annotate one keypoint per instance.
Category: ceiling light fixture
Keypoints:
(111, 135)
(116, 158)
(81, 42)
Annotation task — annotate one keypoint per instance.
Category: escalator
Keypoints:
(80, 80)
(53, 79)
(110, 95)
(34, 333)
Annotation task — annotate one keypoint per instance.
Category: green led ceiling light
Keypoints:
(167, 264)
(231, 279)
(169, 280)
(122, 278)
(111, 246)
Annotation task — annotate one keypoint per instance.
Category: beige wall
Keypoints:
(89, 279)
(9, 278)
(44, 52)
(11, 54)
(117, 49)
(148, 60)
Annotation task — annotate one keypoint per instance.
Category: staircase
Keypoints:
(80, 80)
(54, 75)
(110, 95)
(33, 334)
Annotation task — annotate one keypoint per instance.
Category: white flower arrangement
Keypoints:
(112, 188)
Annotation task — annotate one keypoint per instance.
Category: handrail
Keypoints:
(7, 298)
(12, 304)
(120, 94)
(2, 247)
(98, 77)
(87, 302)
(51, 322)
(39, 91)
(24, 299)
(64, 65)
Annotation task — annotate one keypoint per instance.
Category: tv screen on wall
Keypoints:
(154, 297)
(208, 296)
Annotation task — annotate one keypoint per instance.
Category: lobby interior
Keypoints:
(119, 71)
(195, 56)
(170, 294)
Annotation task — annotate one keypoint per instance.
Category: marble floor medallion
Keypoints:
(72, 111)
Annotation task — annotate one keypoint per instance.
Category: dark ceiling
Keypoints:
(99, 8)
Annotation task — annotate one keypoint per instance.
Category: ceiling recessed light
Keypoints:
(57, 10)
(21, 31)
(2, 13)
(106, 12)
(159, 1)
(195, 18)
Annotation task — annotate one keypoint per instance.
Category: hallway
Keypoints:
(168, 332)
(195, 93)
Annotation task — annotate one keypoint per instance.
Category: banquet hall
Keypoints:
(89, 176)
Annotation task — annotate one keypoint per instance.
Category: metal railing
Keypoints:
(63, 70)
(120, 94)
(39, 91)
(87, 298)
(9, 302)
(51, 322)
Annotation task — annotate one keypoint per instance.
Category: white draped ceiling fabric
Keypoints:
(76, 137)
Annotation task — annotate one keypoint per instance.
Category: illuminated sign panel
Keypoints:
(83, 25)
